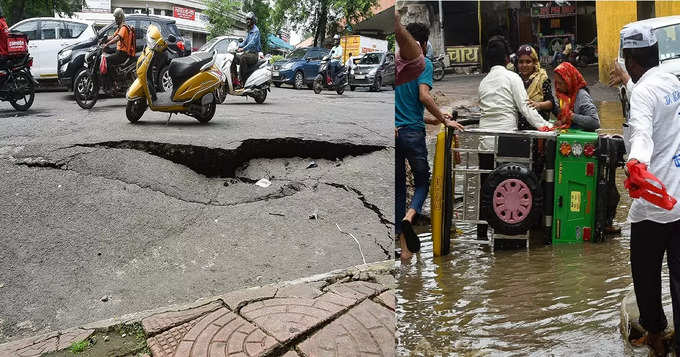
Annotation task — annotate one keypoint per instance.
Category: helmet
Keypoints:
(336, 38)
(118, 14)
(251, 16)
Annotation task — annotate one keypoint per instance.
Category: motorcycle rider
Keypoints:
(124, 48)
(336, 56)
(248, 52)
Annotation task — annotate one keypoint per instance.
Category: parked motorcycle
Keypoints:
(94, 77)
(195, 81)
(324, 79)
(586, 54)
(17, 85)
(258, 81)
(439, 66)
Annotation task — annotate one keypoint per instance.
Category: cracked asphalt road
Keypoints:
(94, 206)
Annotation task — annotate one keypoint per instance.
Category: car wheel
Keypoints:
(377, 85)
(277, 85)
(512, 199)
(164, 80)
(352, 88)
(299, 80)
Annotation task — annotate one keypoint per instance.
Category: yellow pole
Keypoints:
(437, 194)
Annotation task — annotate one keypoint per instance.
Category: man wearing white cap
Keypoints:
(654, 124)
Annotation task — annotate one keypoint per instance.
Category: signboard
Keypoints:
(203, 17)
(553, 11)
(184, 13)
(463, 55)
(97, 6)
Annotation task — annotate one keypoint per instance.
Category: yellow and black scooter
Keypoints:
(195, 81)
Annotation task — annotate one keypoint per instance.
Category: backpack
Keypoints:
(131, 41)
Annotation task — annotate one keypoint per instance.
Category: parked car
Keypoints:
(373, 70)
(299, 68)
(666, 30)
(219, 44)
(49, 35)
(71, 58)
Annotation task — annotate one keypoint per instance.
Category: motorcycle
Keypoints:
(323, 80)
(195, 81)
(439, 66)
(258, 80)
(93, 77)
(17, 85)
(586, 54)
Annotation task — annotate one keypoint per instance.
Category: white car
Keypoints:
(47, 36)
(667, 31)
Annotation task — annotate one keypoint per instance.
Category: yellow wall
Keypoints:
(666, 8)
(611, 17)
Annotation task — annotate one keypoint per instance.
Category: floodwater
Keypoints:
(557, 300)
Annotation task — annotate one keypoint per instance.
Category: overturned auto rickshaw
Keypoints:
(549, 187)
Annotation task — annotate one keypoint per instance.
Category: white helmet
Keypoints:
(251, 16)
(336, 37)
(118, 14)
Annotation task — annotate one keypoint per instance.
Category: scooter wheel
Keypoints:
(512, 199)
(135, 109)
(318, 86)
(260, 96)
(209, 113)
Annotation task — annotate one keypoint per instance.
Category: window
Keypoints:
(141, 27)
(29, 28)
(221, 47)
(48, 30)
(71, 29)
(158, 12)
(315, 55)
(108, 31)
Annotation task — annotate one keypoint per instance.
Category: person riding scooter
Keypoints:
(336, 56)
(125, 48)
(249, 51)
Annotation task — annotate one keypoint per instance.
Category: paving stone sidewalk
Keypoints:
(348, 312)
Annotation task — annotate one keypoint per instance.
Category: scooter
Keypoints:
(439, 66)
(91, 79)
(258, 80)
(195, 81)
(17, 85)
(323, 80)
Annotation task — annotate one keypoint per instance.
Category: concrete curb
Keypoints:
(60, 340)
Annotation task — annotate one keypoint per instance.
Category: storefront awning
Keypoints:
(275, 42)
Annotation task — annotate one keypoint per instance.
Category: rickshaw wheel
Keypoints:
(512, 199)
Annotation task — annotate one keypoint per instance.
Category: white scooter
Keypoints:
(257, 84)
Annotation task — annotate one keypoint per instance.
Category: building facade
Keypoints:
(188, 15)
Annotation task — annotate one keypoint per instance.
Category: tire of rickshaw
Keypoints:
(512, 199)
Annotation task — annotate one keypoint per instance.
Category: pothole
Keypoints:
(224, 163)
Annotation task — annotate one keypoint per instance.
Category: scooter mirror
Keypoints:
(240, 39)
(172, 38)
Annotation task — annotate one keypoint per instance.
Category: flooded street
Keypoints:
(548, 300)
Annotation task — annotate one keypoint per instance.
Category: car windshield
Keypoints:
(208, 44)
(669, 41)
(371, 58)
(172, 30)
(297, 54)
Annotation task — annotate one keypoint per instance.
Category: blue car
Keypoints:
(298, 68)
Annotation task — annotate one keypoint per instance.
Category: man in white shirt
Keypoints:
(336, 56)
(501, 97)
(654, 123)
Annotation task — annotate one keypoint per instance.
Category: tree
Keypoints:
(322, 18)
(219, 13)
(262, 11)
(17, 10)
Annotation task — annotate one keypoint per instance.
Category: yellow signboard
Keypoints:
(575, 201)
(463, 55)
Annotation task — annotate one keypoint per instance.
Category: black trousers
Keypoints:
(245, 60)
(648, 243)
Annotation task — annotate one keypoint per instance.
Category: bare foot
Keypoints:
(405, 253)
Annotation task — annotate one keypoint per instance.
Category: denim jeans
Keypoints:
(410, 145)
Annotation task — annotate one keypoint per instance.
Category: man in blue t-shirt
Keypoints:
(411, 99)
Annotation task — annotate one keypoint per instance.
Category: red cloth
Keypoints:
(574, 80)
(408, 70)
(4, 34)
(639, 185)
(103, 68)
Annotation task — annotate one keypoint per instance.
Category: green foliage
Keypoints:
(262, 11)
(220, 21)
(276, 58)
(321, 18)
(17, 10)
(390, 42)
(81, 346)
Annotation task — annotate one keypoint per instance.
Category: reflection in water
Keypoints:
(561, 299)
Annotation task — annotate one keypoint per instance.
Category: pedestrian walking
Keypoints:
(654, 123)
(411, 99)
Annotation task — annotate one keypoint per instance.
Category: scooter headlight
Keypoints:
(233, 46)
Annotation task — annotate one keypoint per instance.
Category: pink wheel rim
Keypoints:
(512, 201)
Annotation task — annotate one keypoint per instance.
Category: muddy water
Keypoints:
(548, 300)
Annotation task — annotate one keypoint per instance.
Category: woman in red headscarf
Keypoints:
(577, 110)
